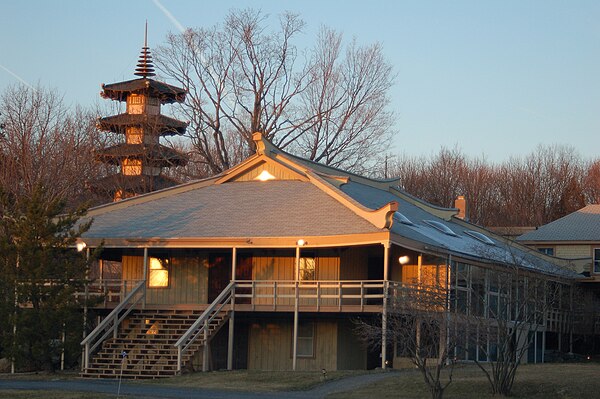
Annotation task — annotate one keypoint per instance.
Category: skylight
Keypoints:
(441, 227)
(480, 236)
(403, 219)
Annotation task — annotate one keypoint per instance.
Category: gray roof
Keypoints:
(235, 209)
(462, 244)
(581, 225)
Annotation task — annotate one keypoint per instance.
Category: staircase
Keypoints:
(148, 337)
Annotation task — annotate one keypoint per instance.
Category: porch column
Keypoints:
(232, 317)
(386, 262)
(85, 305)
(145, 274)
(296, 277)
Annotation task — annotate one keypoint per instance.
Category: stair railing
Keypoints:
(202, 323)
(111, 323)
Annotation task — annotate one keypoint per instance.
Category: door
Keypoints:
(219, 274)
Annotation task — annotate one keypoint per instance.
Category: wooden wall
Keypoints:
(352, 354)
(270, 346)
(188, 279)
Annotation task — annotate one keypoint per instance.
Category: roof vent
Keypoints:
(441, 227)
(403, 219)
(480, 236)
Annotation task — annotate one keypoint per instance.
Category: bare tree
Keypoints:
(418, 322)
(243, 78)
(44, 144)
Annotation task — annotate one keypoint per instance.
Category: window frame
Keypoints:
(166, 262)
(596, 260)
(313, 329)
(302, 263)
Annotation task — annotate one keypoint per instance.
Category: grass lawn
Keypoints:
(256, 381)
(543, 381)
(24, 394)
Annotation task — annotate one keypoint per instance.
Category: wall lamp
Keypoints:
(403, 260)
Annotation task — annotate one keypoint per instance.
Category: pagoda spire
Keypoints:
(144, 67)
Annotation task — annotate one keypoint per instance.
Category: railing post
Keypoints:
(179, 359)
(274, 295)
(318, 295)
(386, 261)
(205, 349)
(253, 297)
(339, 295)
(362, 295)
(145, 274)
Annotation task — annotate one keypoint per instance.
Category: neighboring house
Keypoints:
(285, 253)
(575, 237)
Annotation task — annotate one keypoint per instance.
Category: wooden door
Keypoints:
(219, 274)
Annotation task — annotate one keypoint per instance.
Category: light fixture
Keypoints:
(265, 176)
(403, 260)
(80, 246)
(301, 242)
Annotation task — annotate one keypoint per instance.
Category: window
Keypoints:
(596, 260)
(479, 236)
(547, 250)
(132, 167)
(306, 339)
(441, 227)
(158, 276)
(306, 269)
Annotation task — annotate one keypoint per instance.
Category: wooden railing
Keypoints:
(202, 324)
(317, 294)
(112, 290)
(111, 323)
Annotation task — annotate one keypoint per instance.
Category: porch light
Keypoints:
(301, 242)
(403, 260)
(80, 246)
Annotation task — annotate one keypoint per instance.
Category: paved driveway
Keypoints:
(141, 390)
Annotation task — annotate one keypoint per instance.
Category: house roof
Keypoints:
(581, 225)
(304, 199)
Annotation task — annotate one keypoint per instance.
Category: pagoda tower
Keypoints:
(141, 158)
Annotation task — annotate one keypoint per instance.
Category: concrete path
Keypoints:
(141, 390)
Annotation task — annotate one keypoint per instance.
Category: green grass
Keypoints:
(26, 394)
(543, 381)
(255, 381)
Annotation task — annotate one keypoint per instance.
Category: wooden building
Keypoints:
(266, 265)
(140, 159)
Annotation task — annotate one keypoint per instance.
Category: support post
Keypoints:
(145, 274)
(386, 261)
(296, 287)
(84, 360)
(232, 316)
(206, 347)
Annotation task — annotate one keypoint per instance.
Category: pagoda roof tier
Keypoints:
(166, 93)
(138, 183)
(160, 124)
(154, 154)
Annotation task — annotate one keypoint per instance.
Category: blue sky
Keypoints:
(494, 78)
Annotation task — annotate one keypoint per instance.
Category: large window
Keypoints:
(158, 272)
(306, 269)
(596, 260)
(306, 339)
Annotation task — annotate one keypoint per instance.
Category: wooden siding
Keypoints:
(270, 346)
(573, 251)
(188, 280)
(280, 173)
(351, 354)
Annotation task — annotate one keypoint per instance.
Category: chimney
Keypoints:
(460, 203)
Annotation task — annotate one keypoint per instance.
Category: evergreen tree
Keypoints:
(41, 274)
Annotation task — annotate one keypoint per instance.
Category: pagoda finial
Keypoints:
(144, 66)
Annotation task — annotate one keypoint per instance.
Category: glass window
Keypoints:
(596, 260)
(306, 339)
(158, 275)
(307, 269)
(547, 250)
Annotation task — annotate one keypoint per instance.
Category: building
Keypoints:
(575, 237)
(266, 265)
(140, 159)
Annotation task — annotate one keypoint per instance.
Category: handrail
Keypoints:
(200, 326)
(111, 322)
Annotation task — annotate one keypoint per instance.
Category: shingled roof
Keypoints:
(581, 225)
(302, 199)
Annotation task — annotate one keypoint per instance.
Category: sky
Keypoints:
(492, 78)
